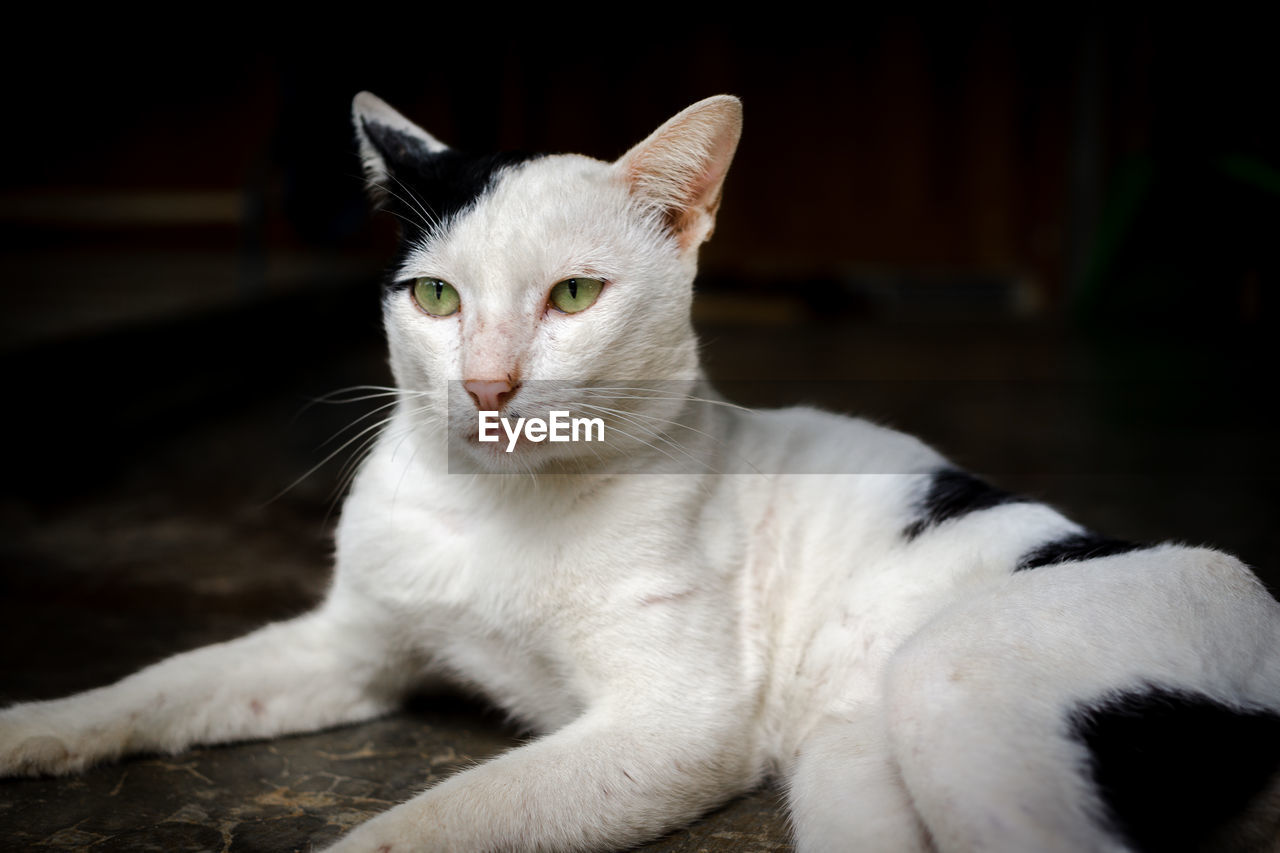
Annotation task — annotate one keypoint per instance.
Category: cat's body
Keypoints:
(922, 659)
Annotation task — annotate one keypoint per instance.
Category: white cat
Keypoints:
(692, 606)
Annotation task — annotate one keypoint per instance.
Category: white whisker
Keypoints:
(634, 420)
(612, 391)
(713, 438)
(429, 221)
(369, 435)
(651, 446)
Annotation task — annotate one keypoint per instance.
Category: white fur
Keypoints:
(677, 638)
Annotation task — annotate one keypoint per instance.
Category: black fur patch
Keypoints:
(951, 494)
(1172, 767)
(424, 189)
(1074, 548)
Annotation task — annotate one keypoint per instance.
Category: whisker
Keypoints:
(328, 458)
(716, 439)
(612, 392)
(332, 396)
(347, 474)
(369, 414)
(641, 441)
(415, 205)
(650, 417)
(630, 418)
(428, 216)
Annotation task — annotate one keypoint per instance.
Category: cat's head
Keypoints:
(526, 283)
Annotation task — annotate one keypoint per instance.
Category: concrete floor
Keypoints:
(153, 529)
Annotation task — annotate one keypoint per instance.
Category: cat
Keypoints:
(690, 606)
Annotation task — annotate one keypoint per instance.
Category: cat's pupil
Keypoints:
(573, 288)
(439, 288)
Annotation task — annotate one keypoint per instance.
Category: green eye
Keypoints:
(438, 298)
(575, 294)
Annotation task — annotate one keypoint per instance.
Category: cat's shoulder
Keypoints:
(809, 440)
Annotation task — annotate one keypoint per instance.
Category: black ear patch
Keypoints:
(953, 493)
(398, 149)
(427, 189)
(1173, 767)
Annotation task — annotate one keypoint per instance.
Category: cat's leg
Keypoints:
(845, 791)
(619, 775)
(321, 669)
(990, 704)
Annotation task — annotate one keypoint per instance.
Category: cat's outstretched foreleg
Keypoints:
(845, 792)
(611, 779)
(317, 670)
(1126, 702)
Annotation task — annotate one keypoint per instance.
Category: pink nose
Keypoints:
(490, 394)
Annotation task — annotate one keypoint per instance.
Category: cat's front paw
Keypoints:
(31, 745)
(400, 830)
(41, 755)
(358, 841)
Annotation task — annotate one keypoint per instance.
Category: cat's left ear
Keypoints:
(681, 167)
(389, 142)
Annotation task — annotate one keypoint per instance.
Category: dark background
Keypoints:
(1119, 164)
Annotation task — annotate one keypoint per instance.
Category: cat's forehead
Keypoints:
(532, 216)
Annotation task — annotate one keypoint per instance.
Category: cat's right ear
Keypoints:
(389, 142)
(680, 169)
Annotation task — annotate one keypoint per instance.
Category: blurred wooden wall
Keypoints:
(946, 146)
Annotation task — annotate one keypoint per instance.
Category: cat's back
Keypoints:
(832, 498)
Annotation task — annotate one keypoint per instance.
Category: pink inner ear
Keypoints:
(684, 223)
(686, 202)
(682, 166)
(703, 201)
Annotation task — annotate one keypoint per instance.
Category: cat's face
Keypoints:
(530, 284)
